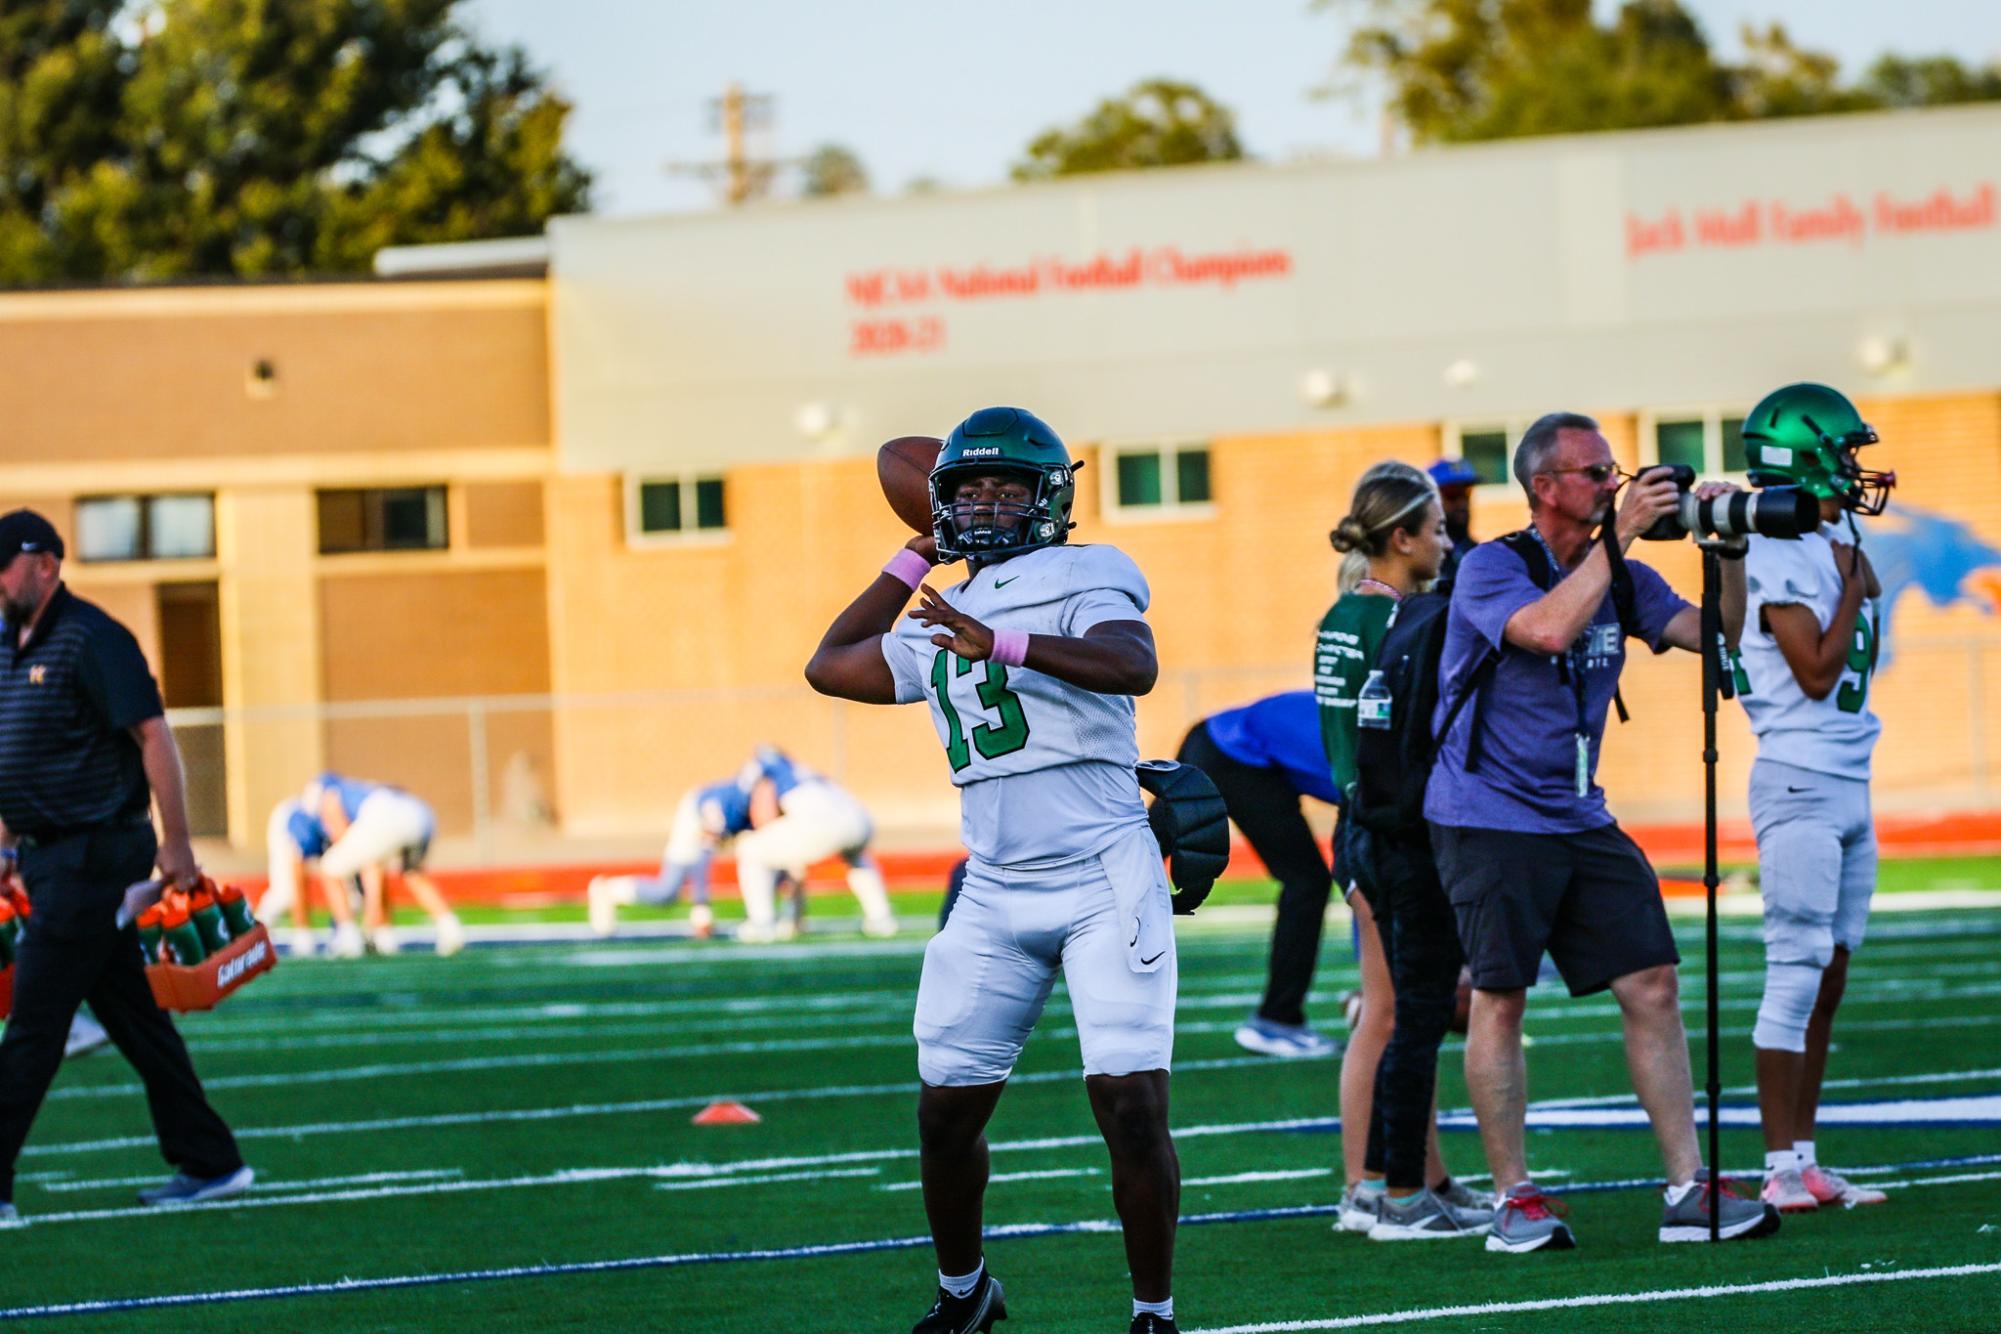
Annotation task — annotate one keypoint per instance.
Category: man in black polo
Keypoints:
(82, 745)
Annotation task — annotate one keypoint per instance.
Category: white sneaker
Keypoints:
(451, 935)
(702, 920)
(86, 1035)
(347, 942)
(606, 895)
(1360, 1208)
(1828, 1187)
(756, 933)
(383, 940)
(1291, 1041)
(788, 929)
(1788, 1194)
(881, 928)
(300, 942)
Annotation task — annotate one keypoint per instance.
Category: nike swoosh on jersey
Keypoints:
(1148, 963)
(1003, 583)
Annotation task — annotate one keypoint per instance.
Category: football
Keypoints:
(903, 466)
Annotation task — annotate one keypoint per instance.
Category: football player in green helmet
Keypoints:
(1806, 435)
(1028, 667)
(1803, 664)
(1009, 443)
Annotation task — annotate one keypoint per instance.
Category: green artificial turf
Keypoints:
(573, 1071)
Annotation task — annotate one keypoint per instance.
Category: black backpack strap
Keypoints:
(1475, 691)
(1625, 602)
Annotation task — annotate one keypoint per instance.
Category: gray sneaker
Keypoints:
(1524, 1221)
(1295, 1041)
(1359, 1208)
(1424, 1217)
(1688, 1220)
(182, 1189)
(1470, 1207)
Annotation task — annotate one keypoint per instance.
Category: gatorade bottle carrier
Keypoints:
(205, 984)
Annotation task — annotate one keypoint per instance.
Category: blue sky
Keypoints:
(952, 90)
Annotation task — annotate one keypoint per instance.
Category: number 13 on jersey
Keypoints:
(1004, 736)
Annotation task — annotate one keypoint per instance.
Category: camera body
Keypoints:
(1785, 512)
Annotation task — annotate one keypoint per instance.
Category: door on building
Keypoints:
(190, 667)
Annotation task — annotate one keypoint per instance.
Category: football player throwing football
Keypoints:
(1029, 666)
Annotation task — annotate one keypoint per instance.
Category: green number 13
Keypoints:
(1861, 661)
(991, 741)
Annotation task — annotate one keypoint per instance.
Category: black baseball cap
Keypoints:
(25, 530)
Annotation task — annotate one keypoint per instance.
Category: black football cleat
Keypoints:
(1146, 1322)
(974, 1313)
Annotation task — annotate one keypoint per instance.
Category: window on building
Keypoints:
(1488, 446)
(665, 507)
(176, 527)
(1710, 441)
(1150, 479)
(392, 518)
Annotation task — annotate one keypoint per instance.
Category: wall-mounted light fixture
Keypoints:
(1322, 389)
(816, 420)
(1880, 354)
(1462, 372)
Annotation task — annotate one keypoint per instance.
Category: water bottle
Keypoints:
(236, 914)
(151, 933)
(1372, 706)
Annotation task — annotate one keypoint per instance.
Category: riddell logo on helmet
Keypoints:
(980, 451)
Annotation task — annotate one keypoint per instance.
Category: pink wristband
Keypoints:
(1010, 647)
(907, 567)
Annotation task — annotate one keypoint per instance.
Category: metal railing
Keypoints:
(514, 776)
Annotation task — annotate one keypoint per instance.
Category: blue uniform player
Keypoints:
(705, 819)
(374, 827)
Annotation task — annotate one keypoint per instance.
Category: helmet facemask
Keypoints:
(990, 530)
(1860, 490)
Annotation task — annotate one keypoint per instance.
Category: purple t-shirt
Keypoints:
(1527, 777)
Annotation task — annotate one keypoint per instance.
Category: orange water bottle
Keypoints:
(10, 931)
(183, 937)
(151, 934)
(236, 914)
(207, 918)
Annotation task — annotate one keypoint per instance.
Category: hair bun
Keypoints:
(1349, 534)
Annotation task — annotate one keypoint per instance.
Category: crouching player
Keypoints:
(705, 819)
(294, 841)
(373, 827)
(1806, 654)
(807, 817)
(1029, 667)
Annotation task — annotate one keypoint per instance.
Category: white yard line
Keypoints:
(1648, 1297)
(266, 1184)
(997, 1178)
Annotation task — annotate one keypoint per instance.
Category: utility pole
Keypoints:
(744, 178)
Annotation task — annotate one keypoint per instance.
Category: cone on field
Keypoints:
(724, 1112)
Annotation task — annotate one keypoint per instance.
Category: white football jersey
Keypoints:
(1835, 735)
(1044, 768)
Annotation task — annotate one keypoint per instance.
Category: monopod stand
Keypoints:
(1715, 684)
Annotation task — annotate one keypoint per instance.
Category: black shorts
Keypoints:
(1590, 899)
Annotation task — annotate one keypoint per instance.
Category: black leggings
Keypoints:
(1421, 944)
(1265, 805)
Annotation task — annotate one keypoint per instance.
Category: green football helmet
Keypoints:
(1806, 435)
(1008, 441)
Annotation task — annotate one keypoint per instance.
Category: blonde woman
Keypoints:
(1393, 542)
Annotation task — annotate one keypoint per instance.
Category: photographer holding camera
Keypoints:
(1530, 857)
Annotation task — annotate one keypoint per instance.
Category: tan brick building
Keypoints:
(591, 525)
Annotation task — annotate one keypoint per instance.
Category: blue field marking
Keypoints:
(1004, 1232)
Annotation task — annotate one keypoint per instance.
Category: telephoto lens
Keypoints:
(1777, 511)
